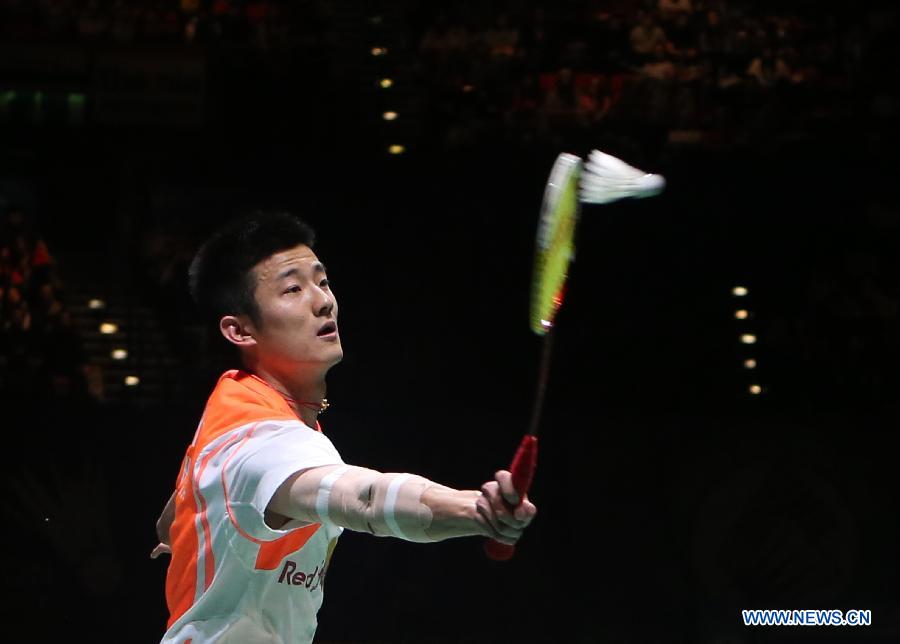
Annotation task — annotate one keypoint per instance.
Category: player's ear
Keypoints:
(237, 330)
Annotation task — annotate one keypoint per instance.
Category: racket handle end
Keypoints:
(498, 551)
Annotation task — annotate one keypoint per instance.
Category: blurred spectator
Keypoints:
(48, 310)
(670, 9)
(593, 101)
(560, 100)
(618, 39)
(189, 7)
(41, 263)
(714, 42)
(40, 352)
(15, 342)
(712, 36)
(682, 37)
(443, 39)
(659, 66)
(502, 39)
(646, 35)
(694, 66)
(559, 112)
(768, 69)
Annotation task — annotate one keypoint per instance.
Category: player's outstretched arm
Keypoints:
(406, 506)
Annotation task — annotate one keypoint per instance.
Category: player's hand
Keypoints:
(504, 514)
(161, 549)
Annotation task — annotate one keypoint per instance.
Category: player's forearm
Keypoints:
(421, 510)
(454, 513)
(405, 506)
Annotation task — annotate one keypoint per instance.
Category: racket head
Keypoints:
(555, 241)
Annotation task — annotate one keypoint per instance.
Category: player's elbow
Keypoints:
(365, 508)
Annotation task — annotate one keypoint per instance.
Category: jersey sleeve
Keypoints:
(261, 462)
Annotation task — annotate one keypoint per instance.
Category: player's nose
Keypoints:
(323, 304)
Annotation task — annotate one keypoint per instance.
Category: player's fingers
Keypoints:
(499, 508)
(161, 549)
(504, 479)
(502, 508)
(525, 512)
(493, 528)
(500, 511)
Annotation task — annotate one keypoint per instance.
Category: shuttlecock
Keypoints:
(605, 179)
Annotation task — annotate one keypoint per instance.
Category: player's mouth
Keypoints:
(328, 331)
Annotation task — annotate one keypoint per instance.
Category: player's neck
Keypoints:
(297, 389)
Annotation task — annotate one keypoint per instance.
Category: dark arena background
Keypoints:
(720, 427)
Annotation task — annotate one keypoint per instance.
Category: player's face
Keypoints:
(298, 312)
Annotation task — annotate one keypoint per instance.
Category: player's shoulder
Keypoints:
(240, 399)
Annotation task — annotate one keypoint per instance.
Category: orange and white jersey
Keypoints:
(232, 578)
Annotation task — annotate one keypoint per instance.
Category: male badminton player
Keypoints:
(263, 495)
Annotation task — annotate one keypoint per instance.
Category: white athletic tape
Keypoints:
(364, 500)
(390, 503)
(324, 494)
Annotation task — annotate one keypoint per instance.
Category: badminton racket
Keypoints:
(603, 179)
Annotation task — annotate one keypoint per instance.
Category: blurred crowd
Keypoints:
(723, 66)
(613, 74)
(40, 350)
(258, 23)
(525, 71)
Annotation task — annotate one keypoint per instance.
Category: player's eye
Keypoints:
(324, 283)
(293, 289)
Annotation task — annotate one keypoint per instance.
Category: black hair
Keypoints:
(221, 279)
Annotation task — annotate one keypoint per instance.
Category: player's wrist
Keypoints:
(454, 512)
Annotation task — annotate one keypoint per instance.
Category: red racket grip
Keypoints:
(522, 469)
